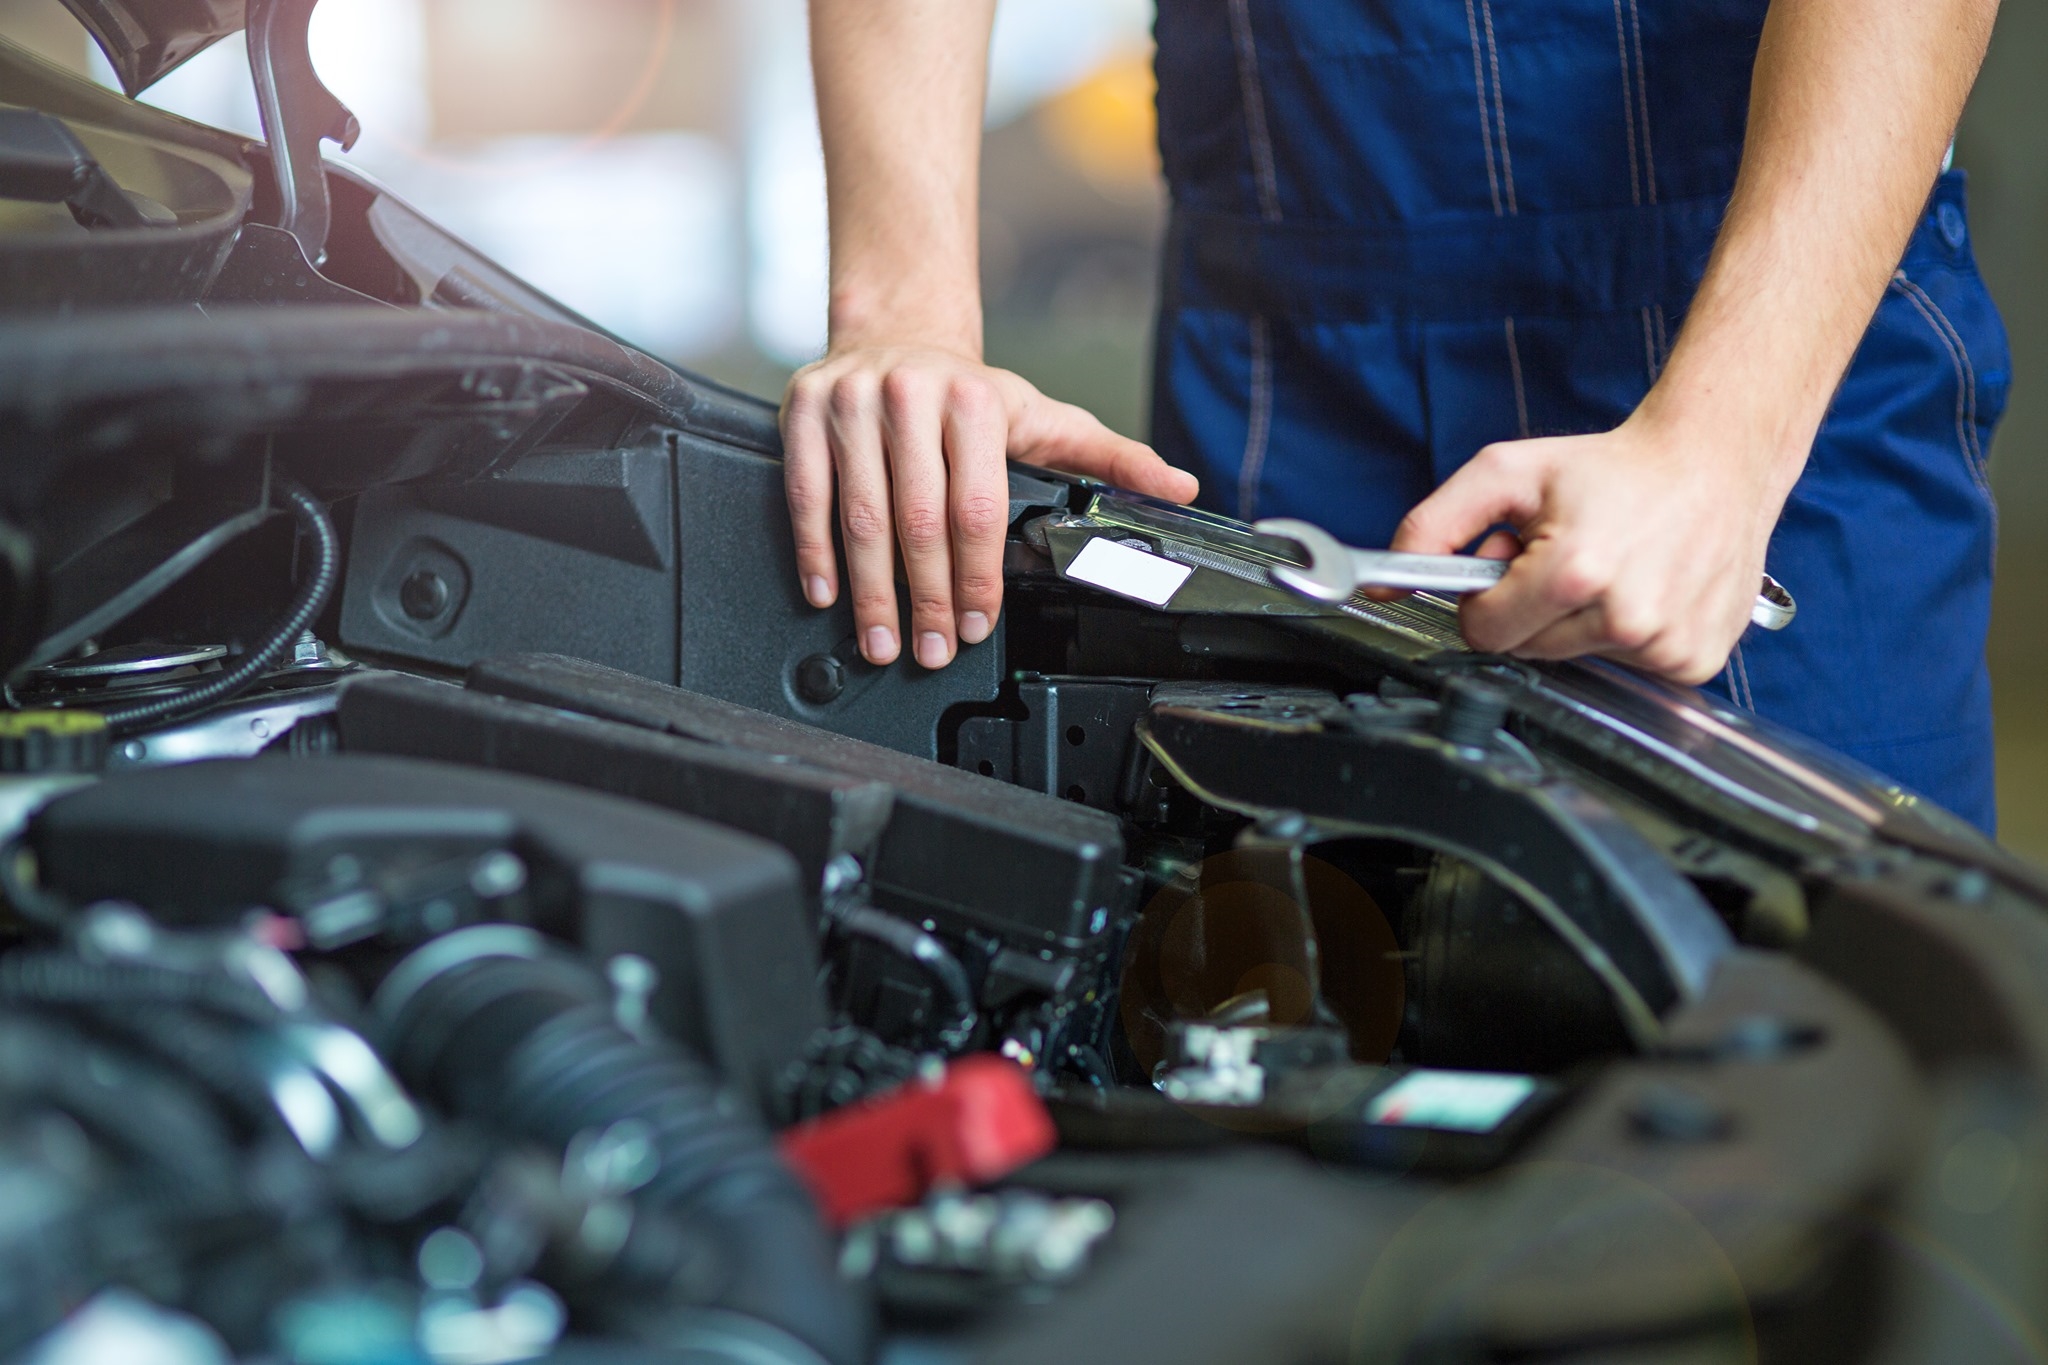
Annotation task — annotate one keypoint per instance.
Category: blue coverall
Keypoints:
(1403, 229)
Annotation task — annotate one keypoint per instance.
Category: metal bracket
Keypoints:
(299, 113)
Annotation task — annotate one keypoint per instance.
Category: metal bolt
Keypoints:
(424, 595)
(820, 679)
(1470, 712)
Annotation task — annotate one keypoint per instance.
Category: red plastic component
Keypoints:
(979, 1122)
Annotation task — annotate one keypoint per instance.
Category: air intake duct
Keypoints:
(503, 1029)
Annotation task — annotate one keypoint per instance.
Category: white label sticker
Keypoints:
(1128, 572)
(1463, 1101)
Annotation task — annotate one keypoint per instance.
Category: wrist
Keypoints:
(938, 317)
(1752, 425)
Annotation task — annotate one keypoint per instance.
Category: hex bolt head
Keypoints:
(1470, 712)
(423, 595)
(820, 679)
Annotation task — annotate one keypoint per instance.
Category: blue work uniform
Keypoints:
(1403, 229)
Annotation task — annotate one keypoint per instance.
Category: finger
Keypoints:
(854, 429)
(1674, 654)
(917, 479)
(1502, 483)
(1549, 581)
(974, 432)
(807, 481)
(1500, 545)
(1059, 435)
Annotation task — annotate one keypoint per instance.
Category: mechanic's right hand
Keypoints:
(914, 439)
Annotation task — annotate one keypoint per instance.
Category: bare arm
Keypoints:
(901, 420)
(1646, 543)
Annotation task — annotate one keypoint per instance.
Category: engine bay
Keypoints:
(463, 906)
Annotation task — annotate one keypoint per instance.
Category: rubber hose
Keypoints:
(305, 609)
(530, 1047)
(139, 1107)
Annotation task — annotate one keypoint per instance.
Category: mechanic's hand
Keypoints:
(915, 439)
(1644, 544)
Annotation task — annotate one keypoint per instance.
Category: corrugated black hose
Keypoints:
(318, 529)
(528, 1046)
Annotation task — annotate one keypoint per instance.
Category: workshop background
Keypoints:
(654, 163)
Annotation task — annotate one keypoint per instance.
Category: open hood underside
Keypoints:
(147, 39)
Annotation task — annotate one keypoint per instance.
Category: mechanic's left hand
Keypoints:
(1644, 544)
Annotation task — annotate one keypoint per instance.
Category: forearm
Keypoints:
(901, 88)
(1852, 106)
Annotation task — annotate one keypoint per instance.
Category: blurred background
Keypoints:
(655, 164)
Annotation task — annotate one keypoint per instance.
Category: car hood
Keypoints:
(147, 39)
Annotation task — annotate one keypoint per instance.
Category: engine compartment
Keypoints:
(463, 906)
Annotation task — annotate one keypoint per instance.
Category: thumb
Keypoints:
(1498, 485)
(1058, 435)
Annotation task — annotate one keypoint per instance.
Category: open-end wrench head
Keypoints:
(1328, 575)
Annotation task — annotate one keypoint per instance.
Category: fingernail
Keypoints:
(973, 627)
(881, 644)
(931, 649)
(818, 590)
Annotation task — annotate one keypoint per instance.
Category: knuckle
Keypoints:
(930, 603)
(1630, 627)
(851, 399)
(979, 516)
(903, 389)
(1579, 578)
(1668, 657)
(807, 497)
(973, 397)
(864, 521)
(807, 387)
(921, 526)
(874, 603)
(1500, 455)
(977, 588)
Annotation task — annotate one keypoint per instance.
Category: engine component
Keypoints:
(52, 742)
(319, 531)
(396, 851)
(1016, 1237)
(975, 1121)
(1060, 864)
(1028, 892)
(821, 817)
(497, 1027)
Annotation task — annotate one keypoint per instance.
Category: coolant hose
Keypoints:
(504, 1031)
(306, 607)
